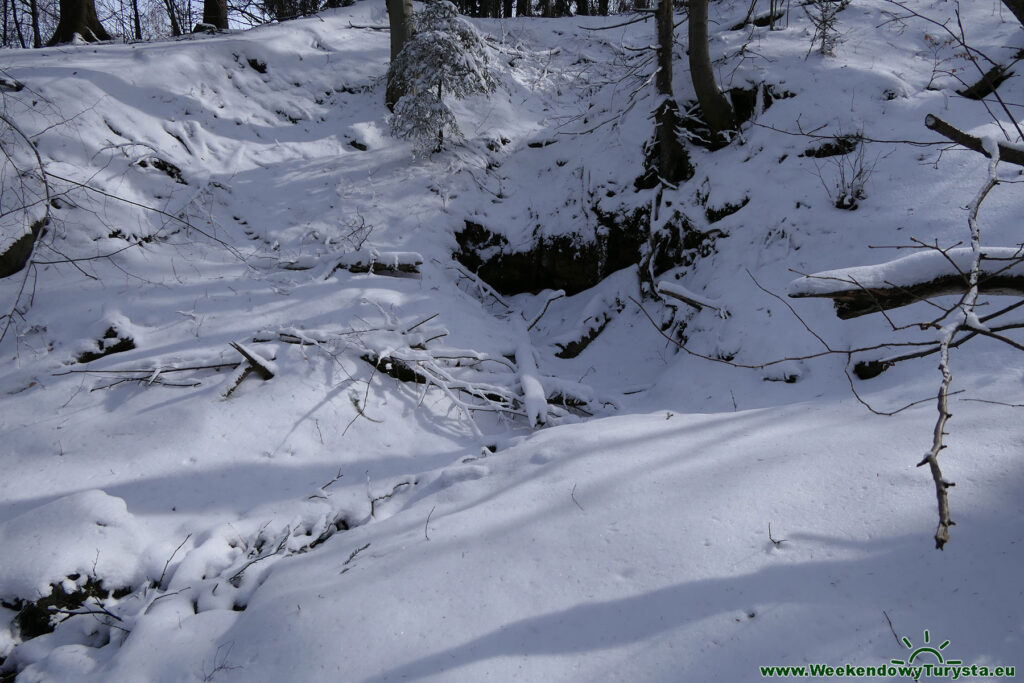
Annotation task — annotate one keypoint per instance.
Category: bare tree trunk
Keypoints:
(583, 7)
(523, 8)
(37, 40)
(400, 18)
(716, 109)
(440, 131)
(78, 16)
(136, 20)
(215, 13)
(602, 7)
(172, 15)
(17, 24)
(673, 163)
(506, 8)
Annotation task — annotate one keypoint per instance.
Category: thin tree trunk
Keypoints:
(673, 163)
(37, 40)
(523, 8)
(602, 7)
(136, 20)
(17, 24)
(666, 35)
(716, 109)
(400, 18)
(440, 131)
(583, 7)
(173, 17)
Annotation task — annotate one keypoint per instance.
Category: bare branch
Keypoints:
(1008, 154)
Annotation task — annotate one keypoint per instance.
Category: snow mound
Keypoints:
(88, 533)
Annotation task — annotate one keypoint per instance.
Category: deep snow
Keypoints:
(333, 523)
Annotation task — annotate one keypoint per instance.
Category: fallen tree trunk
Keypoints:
(924, 275)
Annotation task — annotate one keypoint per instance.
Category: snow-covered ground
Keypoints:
(335, 523)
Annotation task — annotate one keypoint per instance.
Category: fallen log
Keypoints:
(924, 275)
(380, 262)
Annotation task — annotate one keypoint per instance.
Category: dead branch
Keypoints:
(855, 293)
(244, 371)
(259, 364)
(147, 381)
(150, 371)
(380, 263)
(560, 294)
(674, 291)
(160, 581)
(767, 364)
(1012, 155)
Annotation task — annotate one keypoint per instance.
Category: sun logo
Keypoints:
(926, 648)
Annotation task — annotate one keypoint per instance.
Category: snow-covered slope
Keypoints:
(340, 522)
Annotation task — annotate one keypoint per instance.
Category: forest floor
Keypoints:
(411, 482)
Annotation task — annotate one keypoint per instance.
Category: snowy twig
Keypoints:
(351, 557)
(966, 309)
(815, 136)
(427, 523)
(891, 628)
(560, 294)
(760, 366)
(572, 494)
(236, 578)
(386, 496)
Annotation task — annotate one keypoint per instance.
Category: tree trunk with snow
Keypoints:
(714, 106)
(215, 13)
(400, 18)
(78, 16)
(673, 162)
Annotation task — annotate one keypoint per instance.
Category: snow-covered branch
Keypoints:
(929, 273)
